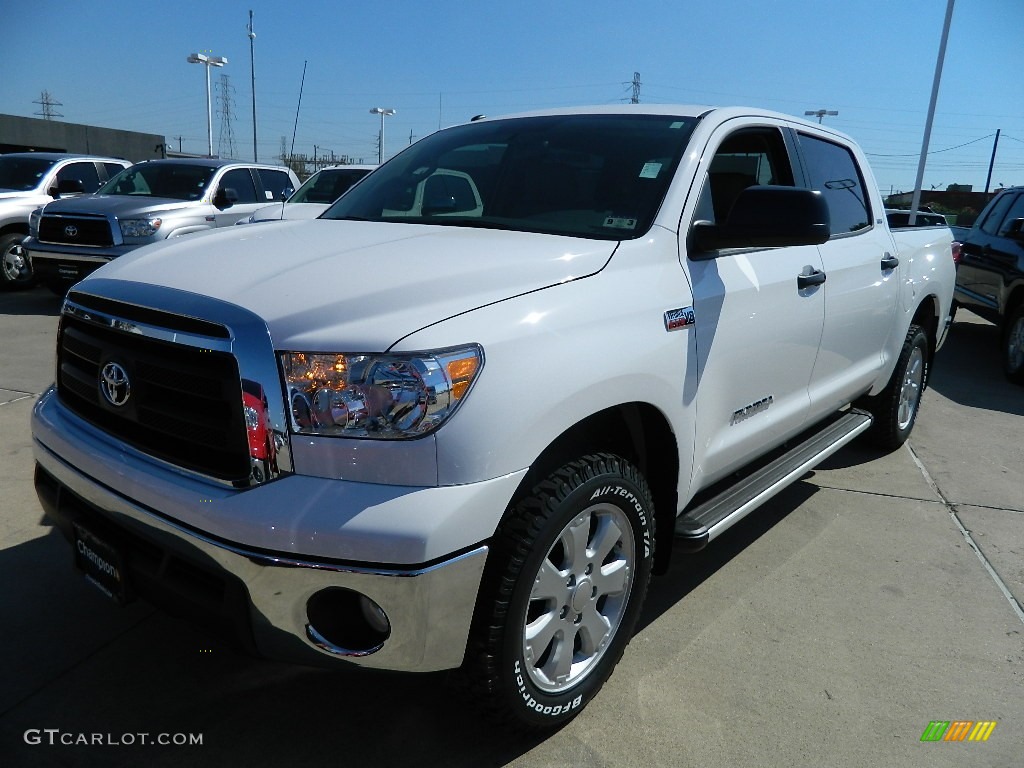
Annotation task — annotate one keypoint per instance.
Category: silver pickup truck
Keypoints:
(146, 203)
(31, 179)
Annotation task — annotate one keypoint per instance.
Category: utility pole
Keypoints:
(636, 89)
(48, 103)
(992, 161)
(252, 74)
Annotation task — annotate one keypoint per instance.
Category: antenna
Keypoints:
(302, 84)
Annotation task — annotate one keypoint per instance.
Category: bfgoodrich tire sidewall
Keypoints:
(547, 709)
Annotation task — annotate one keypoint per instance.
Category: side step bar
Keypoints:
(697, 527)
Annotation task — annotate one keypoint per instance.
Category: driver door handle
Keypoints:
(817, 277)
(889, 261)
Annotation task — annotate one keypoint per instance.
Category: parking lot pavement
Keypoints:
(830, 628)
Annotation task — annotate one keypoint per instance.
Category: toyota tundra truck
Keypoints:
(146, 203)
(458, 421)
(31, 179)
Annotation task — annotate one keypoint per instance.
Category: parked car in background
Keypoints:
(31, 179)
(900, 218)
(990, 276)
(314, 196)
(146, 203)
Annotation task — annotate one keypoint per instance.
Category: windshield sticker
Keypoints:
(650, 170)
(678, 124)
(620, 222)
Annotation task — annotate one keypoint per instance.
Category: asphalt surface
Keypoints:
(878, 594)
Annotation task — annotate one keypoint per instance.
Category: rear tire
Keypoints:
(1013, 345)
(565, 583)
(895, 408)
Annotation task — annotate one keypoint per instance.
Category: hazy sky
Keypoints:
(122, 64)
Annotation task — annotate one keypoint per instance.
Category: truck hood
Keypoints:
(17, 194)
(119, 206)
(350, 286)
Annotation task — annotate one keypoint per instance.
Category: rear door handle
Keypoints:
(817, 277)
(889, 261)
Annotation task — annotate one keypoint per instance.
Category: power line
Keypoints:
(935, 151)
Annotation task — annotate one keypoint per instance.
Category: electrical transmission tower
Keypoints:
(636, 89)
(225, 95)
(48, 103)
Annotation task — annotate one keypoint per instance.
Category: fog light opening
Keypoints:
(346, 623)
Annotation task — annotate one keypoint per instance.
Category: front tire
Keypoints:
(15, 270)
(895, 408)
(1013, 345)
(564, 587)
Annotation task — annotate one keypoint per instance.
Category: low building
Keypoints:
(27, 134)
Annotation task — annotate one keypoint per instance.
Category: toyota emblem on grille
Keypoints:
(115, 385)
(71, 230)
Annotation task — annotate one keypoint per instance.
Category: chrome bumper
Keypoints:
(429, 608)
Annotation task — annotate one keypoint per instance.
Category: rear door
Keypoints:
(862, 277)
(757, 330)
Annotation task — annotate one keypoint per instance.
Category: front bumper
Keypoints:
(261, 596)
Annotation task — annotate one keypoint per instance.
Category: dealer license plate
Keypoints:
(101, 562)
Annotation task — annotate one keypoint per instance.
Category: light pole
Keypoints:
(252, 73)
(820, 113)
(380, 147)
(208, 61)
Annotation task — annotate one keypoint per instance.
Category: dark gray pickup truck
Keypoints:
(990, 276)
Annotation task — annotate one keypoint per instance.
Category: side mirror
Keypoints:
(767, 217)
(70, 187)
(225, 198)
(286, 193)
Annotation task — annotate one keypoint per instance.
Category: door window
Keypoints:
(995, 217)
(749, 157)
(83, 172)
(274, 183)
(240, 180)
(835, 174)
(1016, 212)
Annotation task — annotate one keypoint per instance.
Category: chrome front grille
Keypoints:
(76, 229)
(181, 403)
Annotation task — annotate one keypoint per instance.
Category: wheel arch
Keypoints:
(638, 432)
(927, 316)
(16, 227)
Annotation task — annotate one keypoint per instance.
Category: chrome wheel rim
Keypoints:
(579, 597)
(14, 263)
(1015, 346)
(910, 392)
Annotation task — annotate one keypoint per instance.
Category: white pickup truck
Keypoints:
(460, 420)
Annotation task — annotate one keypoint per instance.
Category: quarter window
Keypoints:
(835, 174)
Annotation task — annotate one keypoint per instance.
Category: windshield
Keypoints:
(169, 180)
(327, 185)
(596, 176)
(23, 173)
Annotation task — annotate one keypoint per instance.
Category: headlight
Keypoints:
(140, 227)
(377, 396)
(33, 222)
